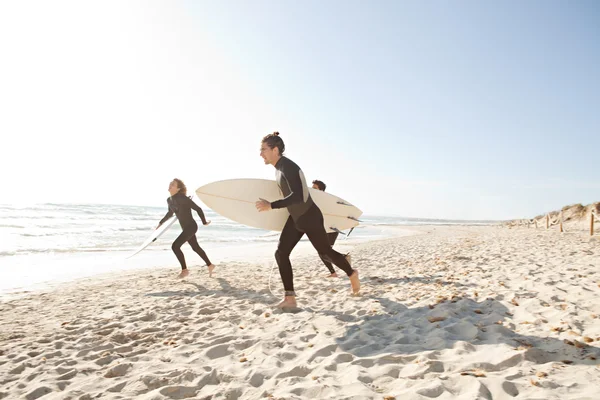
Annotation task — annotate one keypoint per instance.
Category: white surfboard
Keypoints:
(235, 199)
(156, 234)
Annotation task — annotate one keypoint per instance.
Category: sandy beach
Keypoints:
(447, 313)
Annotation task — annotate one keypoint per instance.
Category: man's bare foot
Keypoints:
(288, 302)
(334, 275)
(211, 268)
(183, 274)
(355, 282)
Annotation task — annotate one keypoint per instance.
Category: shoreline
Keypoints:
(34, 273)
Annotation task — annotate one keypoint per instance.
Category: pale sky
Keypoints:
(461, 110)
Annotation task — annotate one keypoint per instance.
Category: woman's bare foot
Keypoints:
(355, 282)
(211, 268)
(334, 275)
(184, 273)
(288, 302)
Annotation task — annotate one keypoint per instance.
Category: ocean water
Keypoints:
(46, 242)
(93, 228)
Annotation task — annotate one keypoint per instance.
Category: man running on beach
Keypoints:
(305, 217)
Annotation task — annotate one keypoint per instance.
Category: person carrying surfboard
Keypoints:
(305, 218)
(331, 236)
(182, 206)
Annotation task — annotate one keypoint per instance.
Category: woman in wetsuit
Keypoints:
(182, 206)
(305, 217)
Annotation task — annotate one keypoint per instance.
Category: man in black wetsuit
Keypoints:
(182, 206)
(331, 236)
(305, 217)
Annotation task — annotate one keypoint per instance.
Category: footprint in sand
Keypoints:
(432, 391)
(257, 379)
(37, 393)
(510, 388)
(179, 392)
(67, 375)
(299, 371)
(118, 387)
(218, 351)
(118, 370)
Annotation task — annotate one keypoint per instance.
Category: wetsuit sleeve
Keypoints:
(297, 190)
(168, 215)
(196, 207)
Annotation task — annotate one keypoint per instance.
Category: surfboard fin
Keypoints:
(354, 219)
(337, 230)
(343, 203)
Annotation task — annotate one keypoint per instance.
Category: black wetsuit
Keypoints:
(305, 218)
(332, 238)
(182, 206)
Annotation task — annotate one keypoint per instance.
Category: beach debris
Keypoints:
(542, 374)
(435, 319)
(475, 372)
(567, 362)
(588, 339)
(524, 343)
(243, 359)
(514, 301)
(478, 311)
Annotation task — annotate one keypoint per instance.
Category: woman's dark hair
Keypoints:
(273, 140)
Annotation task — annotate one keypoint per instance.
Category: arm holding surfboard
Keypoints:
(197, 208)
(168, 215)
(298, 190)
(293, 178)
